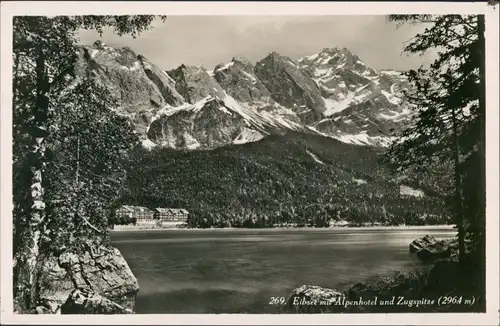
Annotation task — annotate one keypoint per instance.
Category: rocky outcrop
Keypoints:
(428, 248)
(238, 79)
(100, 274)
(194, 83)
(138, 86)
(85, 301)
(162, 80)
(359, 297)
(206, 125)
(212, 117)
(403, 284)
(437, 250)
(443, 276)
(419, 243)
(290, 86)
(314, 299)
(411, 291)
(362, 104)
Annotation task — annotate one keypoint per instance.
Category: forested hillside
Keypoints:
(301, 179)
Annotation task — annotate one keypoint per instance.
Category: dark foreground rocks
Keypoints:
(86, 301)
(97, 280)
(428, 248)
(438, 250)
(409, 291)
(357, 298)
(420, 243)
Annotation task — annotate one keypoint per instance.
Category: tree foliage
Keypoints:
(67, 142)
(85, 166)
(450, 111)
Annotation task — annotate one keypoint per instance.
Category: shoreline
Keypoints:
(368, 227)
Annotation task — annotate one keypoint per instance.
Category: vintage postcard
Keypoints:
(249, 163)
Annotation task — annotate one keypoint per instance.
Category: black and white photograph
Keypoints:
(275, 163)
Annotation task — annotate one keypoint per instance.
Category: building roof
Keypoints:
(136, 209)
(171, 210)
(161, 210)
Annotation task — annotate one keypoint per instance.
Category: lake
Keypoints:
(239, 270)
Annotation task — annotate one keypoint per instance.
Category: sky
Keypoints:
(210, 40)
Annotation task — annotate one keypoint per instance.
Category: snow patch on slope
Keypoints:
(135, 67)
(360, 181)
(390, 72)
(364, 139)
(396, 116)
(409, 191)
(191, 142)
(333, 106)
(171, 110)
(247, 114)
(252, 78)
(358, 139)
(148, 144)
(226, 66)
(391, 98)
(148, 65)
(353, 97)
(312, 57)
(93, 53)
(315, 158)
(248, 136)
(261, 119)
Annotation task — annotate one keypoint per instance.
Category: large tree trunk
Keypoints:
(77, 172)
(482, 133)
(15, 111)
(458, 189)
(15, 81)
(26, 257)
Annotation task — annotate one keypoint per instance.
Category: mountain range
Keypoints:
(275, 142)
(331, 93)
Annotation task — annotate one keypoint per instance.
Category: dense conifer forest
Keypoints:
(280, 181)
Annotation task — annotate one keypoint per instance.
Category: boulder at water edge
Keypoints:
(86, 301)
(101, 270)
(420, 243)
(429, 249)
(437, 250)
(314, 299)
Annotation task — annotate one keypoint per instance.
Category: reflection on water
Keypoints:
(237, 271)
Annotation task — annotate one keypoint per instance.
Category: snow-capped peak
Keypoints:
(331, 92)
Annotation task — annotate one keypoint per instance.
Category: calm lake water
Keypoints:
(238, 271)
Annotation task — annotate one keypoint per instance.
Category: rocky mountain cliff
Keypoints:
(331, 93)
(362, 104)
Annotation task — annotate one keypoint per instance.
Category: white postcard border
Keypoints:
(10, 9)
